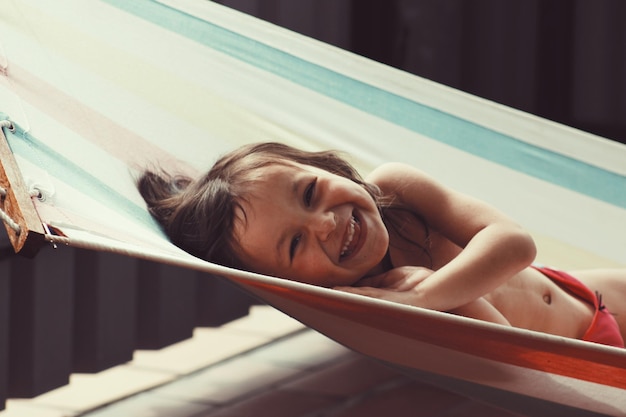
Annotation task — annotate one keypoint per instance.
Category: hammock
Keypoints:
(93, 91)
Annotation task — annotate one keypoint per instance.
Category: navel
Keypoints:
(547, 298)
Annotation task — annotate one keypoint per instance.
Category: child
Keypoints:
(400, 236)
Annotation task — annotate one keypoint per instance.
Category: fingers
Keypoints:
(385, 280)
(396, 278)
(367, 291)
(399, 284)
(373, 281)
(379, 293)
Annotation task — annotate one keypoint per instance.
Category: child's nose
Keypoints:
(324, 224)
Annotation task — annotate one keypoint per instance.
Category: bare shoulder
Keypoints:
(454, 214)
(411, 186)
(393, 176)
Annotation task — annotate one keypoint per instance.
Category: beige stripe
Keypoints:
(183, 99)
(115, 139)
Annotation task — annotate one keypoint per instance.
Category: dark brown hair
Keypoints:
(198, 215)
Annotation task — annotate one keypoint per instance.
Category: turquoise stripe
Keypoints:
(462, 134)
(43, 156)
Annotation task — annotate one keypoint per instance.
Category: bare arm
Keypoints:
(481, 309)
(494, 247)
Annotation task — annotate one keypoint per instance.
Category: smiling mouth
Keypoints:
(349, 245)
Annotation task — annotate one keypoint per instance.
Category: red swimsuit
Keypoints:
(603, 328)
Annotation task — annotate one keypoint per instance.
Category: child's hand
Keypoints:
(399, 285)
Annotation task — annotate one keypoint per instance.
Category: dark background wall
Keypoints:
(564, 60)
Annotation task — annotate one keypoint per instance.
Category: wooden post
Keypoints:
(166, 305)
(220, 301)
(4, 322)
(41, 315)
(104, 310)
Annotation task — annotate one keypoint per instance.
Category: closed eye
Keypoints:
(309, 193)
(308, 196)
(294, 245)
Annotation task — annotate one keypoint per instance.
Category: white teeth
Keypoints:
(350, 235)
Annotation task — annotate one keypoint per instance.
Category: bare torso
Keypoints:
(528, 300)
(532, 301)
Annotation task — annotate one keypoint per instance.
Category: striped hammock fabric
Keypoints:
(92, 91)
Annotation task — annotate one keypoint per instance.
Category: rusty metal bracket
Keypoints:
(29, 235)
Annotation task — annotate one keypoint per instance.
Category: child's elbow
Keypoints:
(525, 250)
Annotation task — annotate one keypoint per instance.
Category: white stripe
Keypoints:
(523, 126)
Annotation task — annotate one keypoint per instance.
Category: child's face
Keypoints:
(306, 224)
